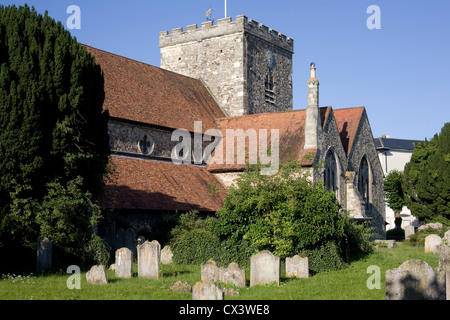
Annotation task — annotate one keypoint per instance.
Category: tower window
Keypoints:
(269, 89)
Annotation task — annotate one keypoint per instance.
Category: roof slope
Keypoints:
(395, 144)
(153, 185)
(347, 121)
(291, 126)
(140, 92)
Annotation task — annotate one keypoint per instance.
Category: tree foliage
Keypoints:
(393, 188)
(284, 213)
(427, 178)
(53, 131)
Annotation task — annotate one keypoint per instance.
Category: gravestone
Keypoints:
(446, 238)
(124, 263)
(444, 261)
(232, 274)
(435, 226)
(415, 280)
(210, 271)
(97, 275)
(264, 268)
(44, 255)
(149, 257)
(390, 244)
(181, 287)
(432, 243)
(297, 267)
(166, 255)
(447, 281)
(207, 290)
(409, 231)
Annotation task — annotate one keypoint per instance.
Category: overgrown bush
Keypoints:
(328, 257)
(192, 241)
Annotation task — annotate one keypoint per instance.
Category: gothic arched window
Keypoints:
(364, 182)
(330, 173)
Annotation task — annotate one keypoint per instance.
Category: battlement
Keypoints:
(225, 27)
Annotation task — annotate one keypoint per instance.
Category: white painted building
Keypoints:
(394, 154)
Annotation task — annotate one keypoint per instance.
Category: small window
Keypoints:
(269, 89)
(363, 182)
(330, 173)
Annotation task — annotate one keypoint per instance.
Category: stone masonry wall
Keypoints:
(364, 146)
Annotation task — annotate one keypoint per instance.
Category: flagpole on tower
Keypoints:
(225, 8)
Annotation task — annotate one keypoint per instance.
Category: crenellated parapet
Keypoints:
(225, 26)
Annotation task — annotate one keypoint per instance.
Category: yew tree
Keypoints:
(54, 144)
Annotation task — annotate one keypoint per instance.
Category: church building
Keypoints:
(233, 75)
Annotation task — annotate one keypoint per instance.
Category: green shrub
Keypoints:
(192, 241)
(327, 257)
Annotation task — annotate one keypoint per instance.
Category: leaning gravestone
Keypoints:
(264, 268)
(97, 275)
(232, 274)
(207, 290)
(124, 263)
(446, 238)
(297, 267)
(44, 255)
(432, 243)
(409, 231)
(149, 257)
(166, 255)
(444, 261)
(210, 271)
(415, 280)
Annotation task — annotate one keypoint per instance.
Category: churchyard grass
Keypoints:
(347, 284)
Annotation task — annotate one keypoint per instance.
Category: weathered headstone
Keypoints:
(264, 268)
(149, 258)
(432, 243)
(447, 284)
(232, 274)
(140, 240)
(166, 255)
(297, 267)
(44, 255)
(207, 290)
(446, 238)
(97, 275)
(435, 226)
(124, 263)
(210, 271)
(386, 244)
(409, 231)
(181, 287)
(444, 261)
(415, 280)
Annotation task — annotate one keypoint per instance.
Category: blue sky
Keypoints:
(400, 73)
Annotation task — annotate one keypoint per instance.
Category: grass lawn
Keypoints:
(346, 284)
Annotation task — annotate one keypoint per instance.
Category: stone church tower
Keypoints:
(245, 65)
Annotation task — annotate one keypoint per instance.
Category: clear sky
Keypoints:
(400, 72)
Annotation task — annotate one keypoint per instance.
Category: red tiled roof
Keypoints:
(347, 121)
(140, 92)
(291, 126)
(151, 185)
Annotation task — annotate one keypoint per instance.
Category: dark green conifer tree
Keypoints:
(53, 131)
